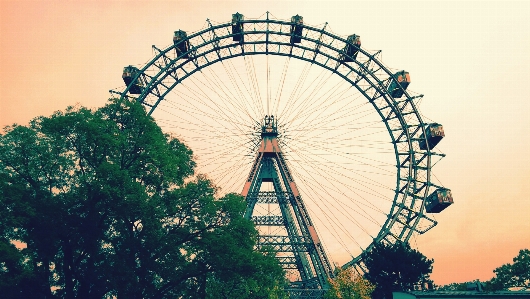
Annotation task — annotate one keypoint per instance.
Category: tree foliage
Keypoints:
(107, 205)
(454, 286)
(393, 267)
(464, 286)
(516, 275)
(348, 284)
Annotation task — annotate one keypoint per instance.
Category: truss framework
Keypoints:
(299, 248)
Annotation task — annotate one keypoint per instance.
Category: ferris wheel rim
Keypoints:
(361, 69)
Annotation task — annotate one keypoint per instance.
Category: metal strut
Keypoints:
(295, 239)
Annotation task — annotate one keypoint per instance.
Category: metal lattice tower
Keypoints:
(295, 239)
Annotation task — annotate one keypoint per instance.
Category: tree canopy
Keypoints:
(393, 267)
(475, 285)
(348, 284)
(104, 204)
(516, 275)
(507, 276)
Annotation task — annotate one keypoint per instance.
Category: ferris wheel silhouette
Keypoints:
(324, 141)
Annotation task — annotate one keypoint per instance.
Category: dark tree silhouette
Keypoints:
(108, 205)
(395, 267)
(516, 275)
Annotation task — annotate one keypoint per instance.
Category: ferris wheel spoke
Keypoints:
(347, 156)
(344, 207)
(317, 114)
(338, 120)
(223, 111)
(312, 184)
(344, 173)
(198, 106)
(252, 104)
(292, 97)
(326, 175)
(298, 101)
(199, 129)
(223, 92)
(241, 107)
(333, 223)
(251, 111)
(329, 173)
(192, 111)
(229, 177)
(319, 96)
(251, 74)
(281, 84)
(303, 100)
(268, 85)
(227, 95)
(216, 163)
(347, 143)
(348, 126)
(335, 145)
(213, 148)
(312, 105)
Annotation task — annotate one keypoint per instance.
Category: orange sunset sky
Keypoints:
(471, 60)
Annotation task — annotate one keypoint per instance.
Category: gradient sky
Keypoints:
(471, 60)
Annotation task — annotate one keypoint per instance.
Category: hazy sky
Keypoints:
(470, 59)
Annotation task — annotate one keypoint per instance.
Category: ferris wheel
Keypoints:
(325, 142)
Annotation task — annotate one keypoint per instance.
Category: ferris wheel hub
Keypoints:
(269, 127)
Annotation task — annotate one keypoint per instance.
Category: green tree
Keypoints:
(454, 286)
(395, 267)
(464, 286)
(347, 284)
(516, 275)
(108, 205)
